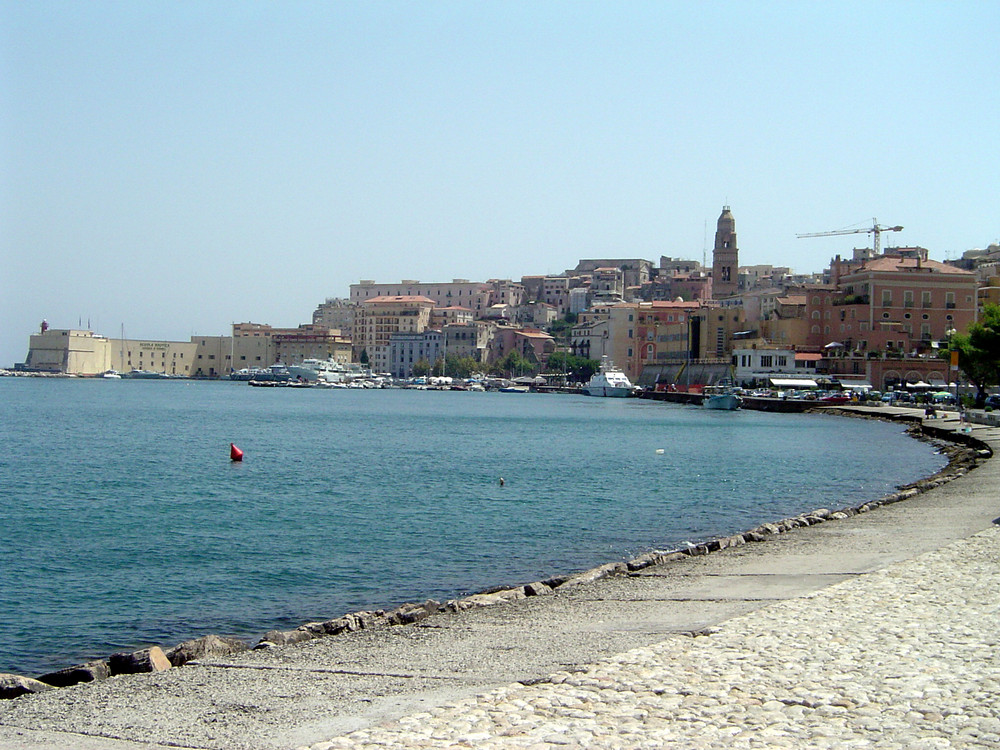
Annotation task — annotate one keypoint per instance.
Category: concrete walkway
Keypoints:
(875, 630)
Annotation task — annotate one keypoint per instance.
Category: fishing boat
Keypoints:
(609, 381)
(722, 397)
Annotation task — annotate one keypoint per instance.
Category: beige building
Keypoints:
(82, 352)
(378, 318)
(450, 316)
(786, 324)
(336, 313)
(474, 295)
(70, 351)
(292, 345)
(469, 340)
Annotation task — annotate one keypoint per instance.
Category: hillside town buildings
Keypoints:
(881, 319)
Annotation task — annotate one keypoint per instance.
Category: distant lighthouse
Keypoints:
(725, 257)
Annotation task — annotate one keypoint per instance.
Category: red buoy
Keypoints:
(235, 454)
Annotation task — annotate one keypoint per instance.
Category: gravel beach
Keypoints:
(877, 630)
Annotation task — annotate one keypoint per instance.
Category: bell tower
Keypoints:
(725, 257)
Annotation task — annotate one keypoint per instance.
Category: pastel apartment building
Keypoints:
(378, 318)
(892, 304)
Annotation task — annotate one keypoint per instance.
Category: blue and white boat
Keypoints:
(722, 397)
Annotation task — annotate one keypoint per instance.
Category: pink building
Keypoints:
(892, 304)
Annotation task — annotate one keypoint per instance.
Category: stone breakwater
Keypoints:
(905, 657)
(962, 458)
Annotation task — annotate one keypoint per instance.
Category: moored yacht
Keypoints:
(609, 381)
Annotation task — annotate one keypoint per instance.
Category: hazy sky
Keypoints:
(172, 167)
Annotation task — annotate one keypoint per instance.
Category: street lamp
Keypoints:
(953, 364)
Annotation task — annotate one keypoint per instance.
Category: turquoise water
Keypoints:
(125, 523)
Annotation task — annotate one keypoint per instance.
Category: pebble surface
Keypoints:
(906, 657)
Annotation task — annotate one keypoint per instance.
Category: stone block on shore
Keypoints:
(285, 637)
(89, 672)
(410, 613)
(145, 660)
(14, 685)
(536, 589)
(207, 646)
(595, 574)
(486, 600)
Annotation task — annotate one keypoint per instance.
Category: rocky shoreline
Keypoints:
(964, 456)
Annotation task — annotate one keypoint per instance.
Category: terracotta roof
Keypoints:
(895, 263)
(792, 299)
(530, 333)
(807, 357)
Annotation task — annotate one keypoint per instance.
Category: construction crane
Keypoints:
(875, 229)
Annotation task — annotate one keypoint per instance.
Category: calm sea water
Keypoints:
(125, 524)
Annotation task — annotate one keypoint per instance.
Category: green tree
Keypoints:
(460, 367)
(511, 365)
(562, 328)
(979, 352)
(421, 368)
(578, 368)
(363, 359)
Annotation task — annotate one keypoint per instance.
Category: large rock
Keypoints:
(89, 672)
(410, 613)
(595, 574)
(147, 660)
(285, 637)
(14, 685)
(206, 647)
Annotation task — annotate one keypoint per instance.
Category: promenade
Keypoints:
(878, 630)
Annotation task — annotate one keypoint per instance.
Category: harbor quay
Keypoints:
(863, 629)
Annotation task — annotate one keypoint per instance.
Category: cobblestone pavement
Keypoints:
(906, 657)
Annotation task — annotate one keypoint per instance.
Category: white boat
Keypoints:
(721, 397)
(609, 381)
(112, 375)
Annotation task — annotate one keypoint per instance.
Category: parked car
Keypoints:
(835, 399)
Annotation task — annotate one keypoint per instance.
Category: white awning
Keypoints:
(854, 385)
(793, 382)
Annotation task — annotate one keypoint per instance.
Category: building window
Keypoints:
(766, 360)
(886, 298)
(908, 298)
(925, 299)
